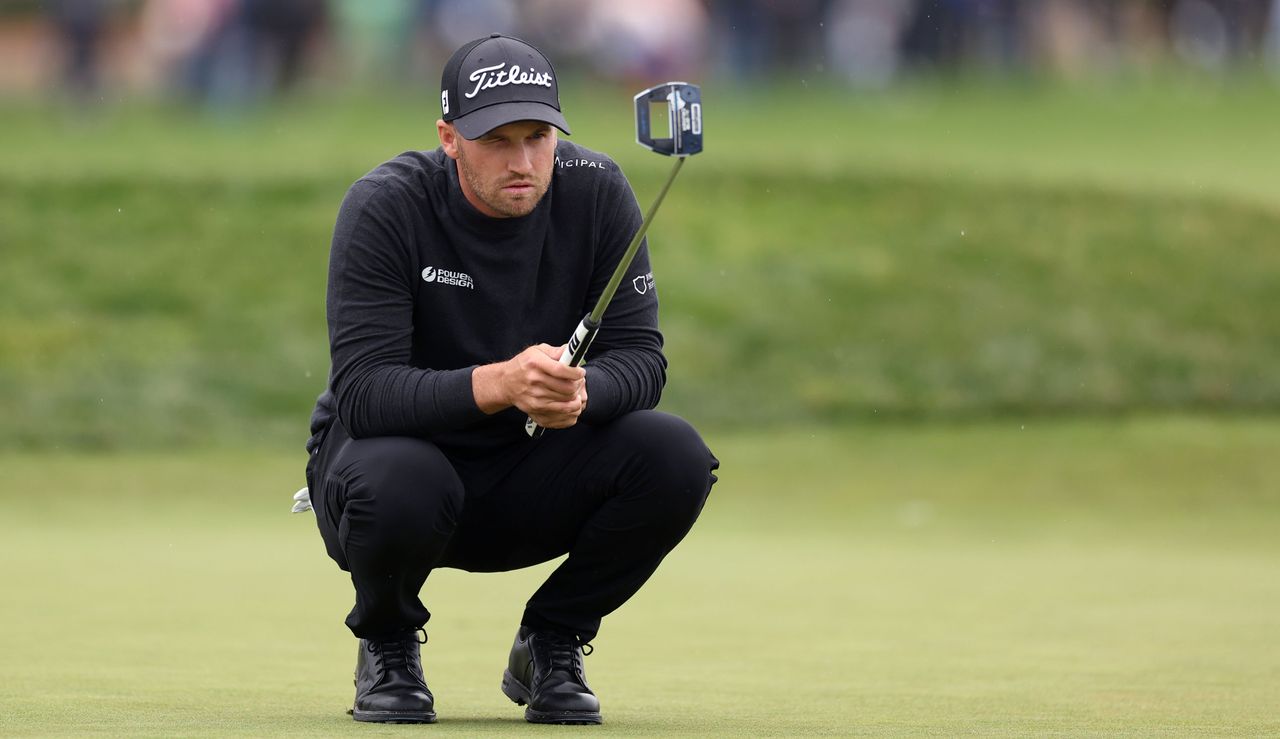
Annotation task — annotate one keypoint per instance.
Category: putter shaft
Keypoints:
(597, 313)
(684, 116)
(582, 337)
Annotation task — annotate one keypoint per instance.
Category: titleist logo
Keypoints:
(495, 76)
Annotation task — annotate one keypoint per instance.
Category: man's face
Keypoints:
(506, 171)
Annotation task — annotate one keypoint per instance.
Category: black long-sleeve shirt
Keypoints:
(423, 288)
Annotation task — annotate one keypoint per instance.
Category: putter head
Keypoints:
(684, 119)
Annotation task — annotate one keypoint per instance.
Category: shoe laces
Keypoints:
(395, 652)
(566, 653)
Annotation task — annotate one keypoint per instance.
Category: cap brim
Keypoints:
(479, 122)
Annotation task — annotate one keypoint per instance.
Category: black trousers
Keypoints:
(616, 498)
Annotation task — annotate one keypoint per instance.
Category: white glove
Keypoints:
(302, 501)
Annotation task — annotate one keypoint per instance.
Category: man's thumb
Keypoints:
(551, 351)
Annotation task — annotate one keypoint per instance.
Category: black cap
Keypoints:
(497, 80)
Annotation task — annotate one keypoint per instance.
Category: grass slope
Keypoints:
(952, 252)
(141, 313)
(1161, 135)
(1065, 578)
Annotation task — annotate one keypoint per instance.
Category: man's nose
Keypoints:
(521, 160)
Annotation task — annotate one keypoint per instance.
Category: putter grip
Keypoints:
(572, 356)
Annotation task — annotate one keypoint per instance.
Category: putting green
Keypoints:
(1075, 578)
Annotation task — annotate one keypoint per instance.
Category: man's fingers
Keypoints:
(552, 394)
(570, 405)
(557, 415)
(547, 358)
(551, 351)
(540, 384)
(563, 371)
(554, 422)
(541, 369)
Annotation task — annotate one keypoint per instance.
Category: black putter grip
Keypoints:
(573, 356)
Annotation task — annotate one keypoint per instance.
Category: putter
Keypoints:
(684, 122)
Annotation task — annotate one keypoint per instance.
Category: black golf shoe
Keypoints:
(545, 673)
(390, 687)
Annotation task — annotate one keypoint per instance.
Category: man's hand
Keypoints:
(534, 381)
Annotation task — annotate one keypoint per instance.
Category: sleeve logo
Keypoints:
(643, 283)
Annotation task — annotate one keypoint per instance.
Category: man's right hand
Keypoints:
(550, 393)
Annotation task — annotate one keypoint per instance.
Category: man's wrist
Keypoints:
(487, 387)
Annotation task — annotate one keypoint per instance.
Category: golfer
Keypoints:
(450, 270)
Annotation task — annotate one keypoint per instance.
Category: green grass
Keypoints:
(1064, 578)
(1161, 135)
(1076, 285)
(929, 253)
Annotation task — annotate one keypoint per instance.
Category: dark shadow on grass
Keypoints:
(483, 726)
(487, 722)
(473, 725)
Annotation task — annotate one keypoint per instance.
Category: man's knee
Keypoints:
(403, 483)
(673, 457)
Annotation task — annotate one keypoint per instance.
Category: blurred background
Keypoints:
(975, 299)
(235, 51)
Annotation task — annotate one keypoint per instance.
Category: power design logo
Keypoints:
(448, 277)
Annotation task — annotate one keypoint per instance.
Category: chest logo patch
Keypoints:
(448, 277)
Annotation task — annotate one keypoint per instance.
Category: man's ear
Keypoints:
(448, 138)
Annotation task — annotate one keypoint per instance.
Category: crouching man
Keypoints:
(449, 271)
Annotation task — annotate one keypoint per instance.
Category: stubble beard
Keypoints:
(491, 194)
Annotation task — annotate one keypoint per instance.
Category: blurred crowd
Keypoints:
(232, 51)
